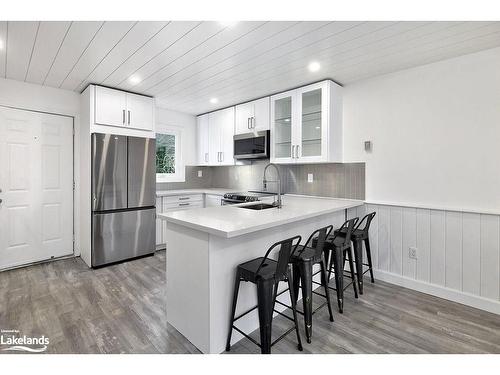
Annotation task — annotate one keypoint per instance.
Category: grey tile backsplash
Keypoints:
(340, 180)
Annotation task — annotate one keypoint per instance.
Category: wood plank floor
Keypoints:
(121, 309)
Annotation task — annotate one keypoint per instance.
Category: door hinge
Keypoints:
(74, 185)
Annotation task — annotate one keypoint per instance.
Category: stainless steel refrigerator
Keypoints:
(123, 198)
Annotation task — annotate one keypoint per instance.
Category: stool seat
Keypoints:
(356, 233)
(249, 269)
(304, 253)
(331, 242)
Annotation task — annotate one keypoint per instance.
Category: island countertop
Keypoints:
(231, 221)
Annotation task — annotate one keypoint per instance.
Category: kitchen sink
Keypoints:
(258, 206)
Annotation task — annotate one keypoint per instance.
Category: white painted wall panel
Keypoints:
(384, 237)
(490, 256)
(458, 253)
(409, 225)
(438, 247)
(471, 253)
(423, 224)
(396, 240)
(453, 250)
(373, 235)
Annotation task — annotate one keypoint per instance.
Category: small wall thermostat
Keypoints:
(368, 146)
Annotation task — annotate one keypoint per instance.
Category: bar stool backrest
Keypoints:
(286, 248)
(322, 235)
(349, 224)
(368, 218)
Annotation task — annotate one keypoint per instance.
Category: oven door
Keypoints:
(252, 145)
(227, 201)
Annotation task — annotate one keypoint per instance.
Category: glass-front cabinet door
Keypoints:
(282, 127)
(312, 132)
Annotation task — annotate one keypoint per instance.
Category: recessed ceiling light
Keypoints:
(214, 100)
(134, 80)
(314, 66)
(228, 23)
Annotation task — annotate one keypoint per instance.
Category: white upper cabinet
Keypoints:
(306, 124)
(123, 109)
(220, 135)
(140, 112)
(202, 140)
(252, 116)
(215, 132)
(110, 106)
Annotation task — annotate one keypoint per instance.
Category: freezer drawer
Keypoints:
(141, 172)
(109, 172)
(122, 235)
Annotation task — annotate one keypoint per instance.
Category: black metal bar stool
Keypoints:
(337, 249)
(357, 237)
(303, 260)
(266, 274)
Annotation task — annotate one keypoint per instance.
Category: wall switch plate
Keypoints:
(310, 177)
(200, 173)
(412, 252)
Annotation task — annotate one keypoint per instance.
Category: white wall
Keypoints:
(435, 131)
(436, 160)
(184, 122)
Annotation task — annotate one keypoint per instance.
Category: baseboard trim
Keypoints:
(440, 291)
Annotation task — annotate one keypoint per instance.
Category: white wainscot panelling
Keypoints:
(458, 253)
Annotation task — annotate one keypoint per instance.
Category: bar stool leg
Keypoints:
(294, 308)
(233, 310)
(335, 263)
(296, 281)
(306, 276)
(265, 302)
(353, 273)
(325, 284)
(369, 256)
(358, 257)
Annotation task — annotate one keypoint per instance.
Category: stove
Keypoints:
(243, 197)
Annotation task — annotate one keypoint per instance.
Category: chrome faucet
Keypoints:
(278, 181)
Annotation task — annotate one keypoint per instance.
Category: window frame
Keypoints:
(179, 175)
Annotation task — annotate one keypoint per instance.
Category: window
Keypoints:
(169, 166)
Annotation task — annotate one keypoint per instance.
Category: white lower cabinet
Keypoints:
(172, 203)
(212, 200)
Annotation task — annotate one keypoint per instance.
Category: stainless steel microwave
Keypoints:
(252, 145)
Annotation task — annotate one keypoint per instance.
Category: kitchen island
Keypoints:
(205, 245)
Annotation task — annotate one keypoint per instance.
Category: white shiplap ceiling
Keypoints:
(185, 64)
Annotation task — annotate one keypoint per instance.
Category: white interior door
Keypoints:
(36, 182)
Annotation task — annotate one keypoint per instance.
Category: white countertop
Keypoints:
(216, 191)
(232, 221)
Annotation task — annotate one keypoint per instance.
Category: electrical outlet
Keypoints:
(412, 252)
(200, 173)
(310, 177)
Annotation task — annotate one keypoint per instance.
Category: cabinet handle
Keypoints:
(129, 117)
(123, 117)
(183, 198)
(293, 149)
(248, 123)
(297, 151)
(252, 122)
(221, 156)
(183, 204)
